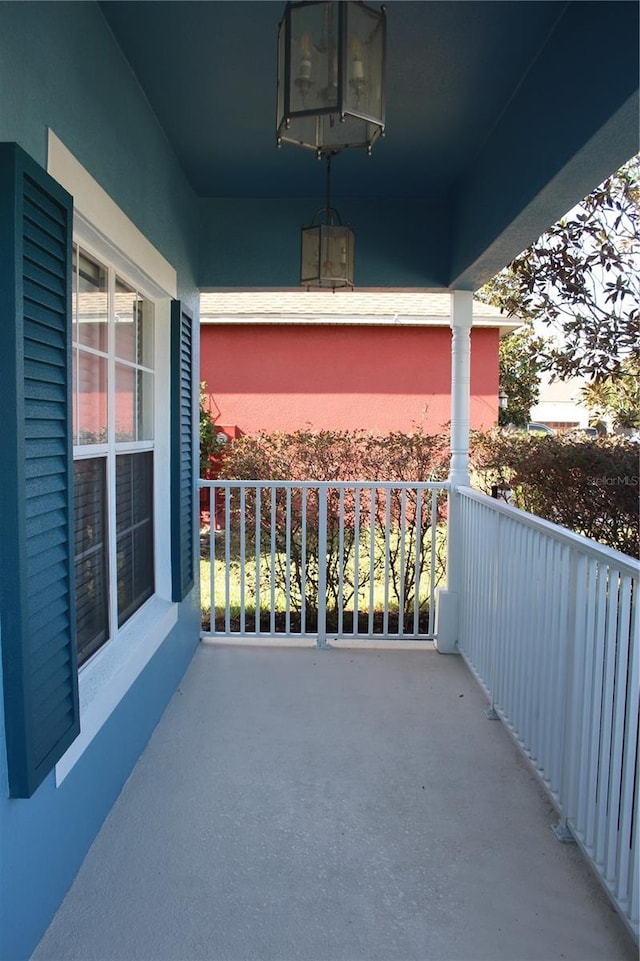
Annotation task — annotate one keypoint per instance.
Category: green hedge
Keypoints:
(591, 487)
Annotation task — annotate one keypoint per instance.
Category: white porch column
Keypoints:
(447, 603)
(461, 322)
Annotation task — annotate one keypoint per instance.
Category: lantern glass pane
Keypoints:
(310, 256)
(364, 53)
(333, 255)
(313, 50)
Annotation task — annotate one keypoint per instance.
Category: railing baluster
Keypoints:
(595, 720)
(243, 566)
(372, 556)
(258, 529)
(322, 565)
(356, 560)
(387, 560)
(402, 534)
(628, 866)
(287, 579)
(272, 569)
(227, 560)
(608, 689)
(341, 561)
(212, 558)
(433, 552)
(417, 571)
(303, 565)
(623, 594)
(586, 695)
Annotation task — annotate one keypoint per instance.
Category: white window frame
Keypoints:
(104, 231)
(113, 448)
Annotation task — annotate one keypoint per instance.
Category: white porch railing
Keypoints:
(549, 624)
(315, 559)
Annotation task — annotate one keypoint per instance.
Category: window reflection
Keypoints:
(133, 404)
(91, 398)
(92, 309)
(134, 325)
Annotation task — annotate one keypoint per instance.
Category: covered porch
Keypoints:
(316, 804)
(332, 805)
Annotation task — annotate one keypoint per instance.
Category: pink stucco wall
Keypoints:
(283, 377)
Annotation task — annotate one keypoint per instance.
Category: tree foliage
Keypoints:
(519, 375)
(211, 447)
(617, 398)
(582, 280)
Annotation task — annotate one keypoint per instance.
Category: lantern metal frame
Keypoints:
(354, 71)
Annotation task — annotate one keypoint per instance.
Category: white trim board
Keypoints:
(503, 324)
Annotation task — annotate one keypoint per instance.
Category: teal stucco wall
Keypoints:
(60, 68)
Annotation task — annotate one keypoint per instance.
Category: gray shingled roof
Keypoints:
(343, 307)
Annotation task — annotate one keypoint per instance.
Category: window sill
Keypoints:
(107, 677)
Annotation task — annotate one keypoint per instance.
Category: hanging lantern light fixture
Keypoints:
(331, 62)
(327, 247)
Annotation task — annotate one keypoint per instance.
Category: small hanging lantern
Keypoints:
(327, 255)
(331, 75)
(327, 248)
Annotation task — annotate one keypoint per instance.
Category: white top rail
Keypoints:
(622, 562)
(335, 484)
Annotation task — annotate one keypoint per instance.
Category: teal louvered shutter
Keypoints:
(39, 664)
(182, 452)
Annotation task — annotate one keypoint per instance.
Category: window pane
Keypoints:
(92, 306)
(125, 403)
(134, 531)
(91, 391)
(74, 295)
(74, 400)
(144, 354)
(133, 404)
(125, 314)
(144, 408)
(89, 504)
(134, 326)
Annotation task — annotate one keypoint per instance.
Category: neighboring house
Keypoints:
(560, 404)
(354, 360)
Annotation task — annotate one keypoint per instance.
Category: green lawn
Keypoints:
(229, 596)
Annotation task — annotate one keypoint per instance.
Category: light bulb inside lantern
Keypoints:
(305, 57)
(357, 65)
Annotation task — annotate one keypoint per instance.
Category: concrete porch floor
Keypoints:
(302, 805)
